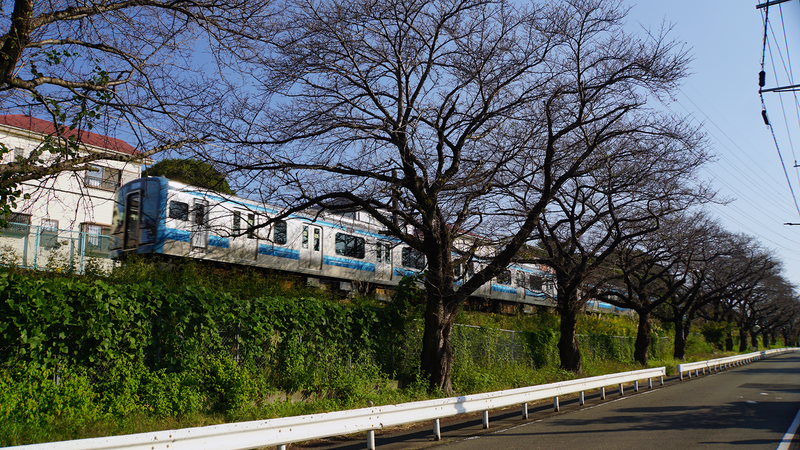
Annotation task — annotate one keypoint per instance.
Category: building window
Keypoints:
(17, 224)
(350, 246)
(103, 178)
(412, 258)
(97, 236)
(178, 210)
(280, 232)
(49, 234)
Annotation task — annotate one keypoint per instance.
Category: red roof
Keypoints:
(84, 137)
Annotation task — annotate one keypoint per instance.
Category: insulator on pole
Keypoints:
(764, 115)
(762, 78)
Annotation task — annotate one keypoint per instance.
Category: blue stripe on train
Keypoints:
(174, 234)
(405, 273)
(280, 252)
(506, 289)
(348, 263)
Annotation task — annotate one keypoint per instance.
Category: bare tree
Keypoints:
(646, 271)
(719, 265)
(460, 119)
(113, 65)
(613, 217)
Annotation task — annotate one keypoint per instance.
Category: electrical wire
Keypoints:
(764, 114)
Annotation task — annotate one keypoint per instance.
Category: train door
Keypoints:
(383, 261)
(244, 243)
(311, 247)
(199, 236)
(133, 211)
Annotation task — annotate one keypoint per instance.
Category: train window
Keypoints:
(383, 252)
(317, 238)
(178, 210)
(237, 223)
(200, 216)
(412, 258)
(349, 245)
(280, 233)
(251, 221)
(534, 283)
(504, 278)
(305, 236)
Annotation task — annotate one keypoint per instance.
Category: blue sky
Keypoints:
(726, 39)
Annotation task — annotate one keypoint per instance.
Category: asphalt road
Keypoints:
(750, 406)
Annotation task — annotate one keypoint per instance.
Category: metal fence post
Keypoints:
(370, 439)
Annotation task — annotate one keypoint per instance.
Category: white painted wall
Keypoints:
(66, 198)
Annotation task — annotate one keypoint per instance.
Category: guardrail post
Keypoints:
(486, 420)
(437, 431)
(636, 386)
(621, 390)
(370, 439)
(282, 447)
(662, 380)
(525, 411)
(649, 383)
(555, 404)
(681, 376)
(602, 393)
(581, 397)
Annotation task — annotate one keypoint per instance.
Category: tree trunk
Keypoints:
(568, 349)
(742, 340)
(681, 336)
(642, 344)
(754, 339)
(437, 349)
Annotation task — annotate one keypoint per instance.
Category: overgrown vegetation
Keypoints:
(160, 345)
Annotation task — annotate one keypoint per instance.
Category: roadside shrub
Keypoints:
(170, 394)
(226, 386)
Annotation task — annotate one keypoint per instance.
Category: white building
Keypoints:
(68, 212)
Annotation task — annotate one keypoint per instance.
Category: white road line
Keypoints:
(786, 442)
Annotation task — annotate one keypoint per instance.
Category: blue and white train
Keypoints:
(154, 215)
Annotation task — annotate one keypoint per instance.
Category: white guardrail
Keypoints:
(729, 361)
(283, 431)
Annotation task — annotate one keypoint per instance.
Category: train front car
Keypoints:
(139, 215)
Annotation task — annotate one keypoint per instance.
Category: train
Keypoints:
(155, 215)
